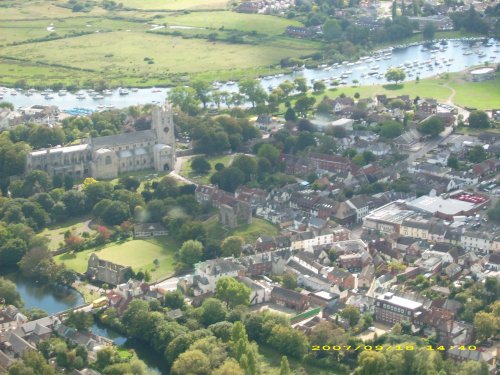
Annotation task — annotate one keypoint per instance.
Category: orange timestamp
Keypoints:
(388, 347)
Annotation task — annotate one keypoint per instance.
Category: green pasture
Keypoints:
(187, 172)
(249, 232)
(175, 4)
(138, 254)
(481, 95)
(270, 25)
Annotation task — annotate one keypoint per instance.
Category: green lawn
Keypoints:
(175, 4)
(138, 254)
(249, 232)
(187, 172)
(264, 24)
(481, 95)
(55, 234)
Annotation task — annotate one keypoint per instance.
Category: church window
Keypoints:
(166, 129)
(108, 160)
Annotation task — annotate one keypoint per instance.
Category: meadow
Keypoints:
(45, 43)
(138, 254)
(249, 232)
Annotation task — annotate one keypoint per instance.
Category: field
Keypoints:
(175, 4)
(480, 95)
(187, 172)
(138, 254)
(249, 232)
(43, 43)
(56, 234)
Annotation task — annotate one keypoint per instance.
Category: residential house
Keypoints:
(343, 279)
(365, 278)
(289, 298)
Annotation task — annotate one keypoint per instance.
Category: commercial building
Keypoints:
(392, 309)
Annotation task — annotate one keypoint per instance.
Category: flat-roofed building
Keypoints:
(392, 309)
(388, 218)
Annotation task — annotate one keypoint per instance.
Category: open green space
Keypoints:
(187, 172)
(56, 234)
(249, 232)
(481, 95)
(175, 4)
(260, 23)
(138, 254)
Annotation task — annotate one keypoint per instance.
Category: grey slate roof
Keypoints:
(124, 138)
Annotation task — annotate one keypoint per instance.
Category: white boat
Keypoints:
(123, 92)
(230, 83)
(107, 92)
(49, 96)
(133, 89)
(62, 92)
(98, 97)
(80, 96)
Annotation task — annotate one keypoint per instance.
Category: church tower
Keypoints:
(163, 125)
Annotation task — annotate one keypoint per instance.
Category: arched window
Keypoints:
(108, 160)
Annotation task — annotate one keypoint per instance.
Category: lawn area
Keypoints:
(270, 25)
(175, 4)
(56, 233)
(139, 254)
(249, 232)
(424, 89)
(480, 95)
(187, 172)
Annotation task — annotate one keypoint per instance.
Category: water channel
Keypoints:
(416, 59)
(54, 299)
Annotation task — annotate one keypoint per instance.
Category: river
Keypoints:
(54, 299)
(416, 60)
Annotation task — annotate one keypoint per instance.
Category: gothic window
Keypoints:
(166, 129)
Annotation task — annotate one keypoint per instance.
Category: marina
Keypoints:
(417, 60)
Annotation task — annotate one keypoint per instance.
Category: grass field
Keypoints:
(138, 254)
(56, 234)
(249, 232)
(481, 95)
(171, 54)
(187, 172)
(175, 4)
(269, 25)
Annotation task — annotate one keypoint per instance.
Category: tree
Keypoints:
(395, 74)
(9, 294)
(428, 31)
(289, 280)
(185, 98)
(269, 152)
(130, 183)
(486, 325)
(191, 252)
(477, 154)
(253, 91)
(229, 367)
(453, 162)
(246, 164)
(300, 85)
(231, 246)
(352, 314)
(394, 10)
(372, 363)
(479, 120)
(288, 341)
(202, 89)
(79, 320)
(32, 363)
(200, 165)
(232, 292)
(332, 30)
(319, 86)
(432, 126)
(173, 300)
(304, 105)
(290, 115)
(229, 179)
(284, 366)
(213, 311)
